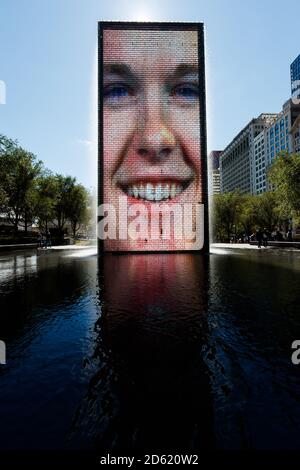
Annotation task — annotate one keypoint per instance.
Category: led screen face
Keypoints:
(152, 178)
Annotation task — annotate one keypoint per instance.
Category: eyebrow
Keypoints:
(185, 69)
(124, 70)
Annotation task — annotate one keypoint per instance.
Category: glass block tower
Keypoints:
(295, 78)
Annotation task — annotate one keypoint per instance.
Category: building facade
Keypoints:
(282, 135)
(274, 139)
(216, 184)
(295, 78)
(237, 162)
(214, 171)
(295, 135)
(245, 161)
(259, 163)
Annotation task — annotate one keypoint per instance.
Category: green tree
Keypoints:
(64, 186)
(30, 193)
(227, 207)
(46, 193)
(18, 172)
(78, 213)
(267, 210)
(3, 199)
(284, 174)
(248, 213)
(7, 145)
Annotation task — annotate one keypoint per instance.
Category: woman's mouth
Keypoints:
(155, 191)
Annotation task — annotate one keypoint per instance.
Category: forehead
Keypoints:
(138, 47)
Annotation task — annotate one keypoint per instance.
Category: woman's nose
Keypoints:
(154, 139)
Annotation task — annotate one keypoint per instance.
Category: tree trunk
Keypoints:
(228, 234)
(16, 221)
(25, 222)
(74, 224)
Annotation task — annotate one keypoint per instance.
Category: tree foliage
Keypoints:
(18, 172)
(45, 199)
(64, 186)
(284, 174)
(238, 215)
(226, 210)
(78, 212)
(243, 214)
(29, 193)
(267, 213)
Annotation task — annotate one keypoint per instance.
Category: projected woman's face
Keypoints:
(151, 126)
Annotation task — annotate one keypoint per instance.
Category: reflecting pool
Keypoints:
(156, 352)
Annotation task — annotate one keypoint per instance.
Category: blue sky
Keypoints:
(47, 61)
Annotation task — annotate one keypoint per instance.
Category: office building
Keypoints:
(279, 136)
(272, 140)
(258, 181)
(295, 78)
(245, 161)
(295, 135)
(214, 171)
(237, 162)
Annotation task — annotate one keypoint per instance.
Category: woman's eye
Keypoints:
(187, 92)
(116, 93)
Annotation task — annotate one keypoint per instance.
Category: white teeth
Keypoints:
(158, 193)
(173, 190)
(135, 191)
(141, 191)
(149, 194)
(154, 192)
(166, 191)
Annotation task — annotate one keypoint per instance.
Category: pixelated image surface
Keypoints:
(152, 168)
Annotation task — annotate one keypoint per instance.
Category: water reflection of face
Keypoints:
(151, 121)
(153, 328)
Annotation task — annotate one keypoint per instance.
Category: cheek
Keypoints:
(117, 128)
(186, 125)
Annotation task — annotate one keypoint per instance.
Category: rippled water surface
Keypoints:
(155, 352)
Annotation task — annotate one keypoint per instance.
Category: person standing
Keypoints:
(259, 237)
(265, 237)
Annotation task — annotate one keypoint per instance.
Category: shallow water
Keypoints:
(156, 352)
